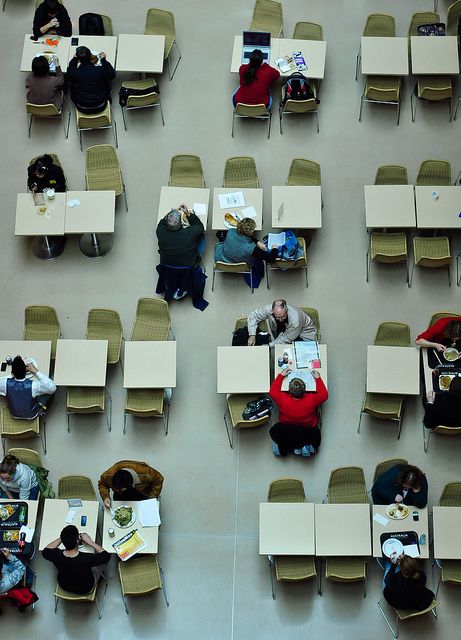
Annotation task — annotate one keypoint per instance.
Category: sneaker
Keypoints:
(297, 452)
(305, 451)
(275, 449)
(179, 294)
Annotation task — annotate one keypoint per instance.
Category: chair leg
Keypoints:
(411, 275)
(251, 281)
(125, 197)
(109, 418)
(212, 282)
(101, 610)
(398, 113)
(361, 107)
(273, 582)
(31, 116)
(359, 57)
(124, 118)
(394, 633)
(360, 422)
(413, 107)
(162, 575)
(124, 600)
(269, 127)
(3, 444)
(230, 434)
(124, 423)
(407, 266)
(320, 577)
(458, 277)
(43, 435)
(161, 111)
(317, 119)
(449, 275)
(114, 130)
(307, 281)
(280, 118)
(233, 121)
(68, 422)
(56, 602)
(456, 110)
(426, 437)
(450, 109)
(171, 75)
(368, 265)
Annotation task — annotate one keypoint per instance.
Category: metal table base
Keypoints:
(95, 245)
(48, 247)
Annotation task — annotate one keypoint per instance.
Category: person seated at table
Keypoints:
(11, 570)
(297, 429)
(443, 408)
(256, 79)
(401, 483)
(17, 480)
(74, 567)
(26, 399)
(130, 480)
(44, 87)
(51, 17)
(43, 174)
(241, 245)
(405, 584)
(287, 323)
(444, 333)
(90, 88)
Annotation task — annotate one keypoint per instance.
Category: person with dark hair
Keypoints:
(26, 398)
(130, 480)
(286, 322)
(444, 333)
(405, 584)
(74, 567)
(401, 483)
(42, 86)
(443, 408)
(43, 174)
(11, 570)
(17, 480)
(90, 77)
(297, 429)
(51, 17)
(256, 79)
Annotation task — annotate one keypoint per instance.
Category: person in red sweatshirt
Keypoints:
(297, 429)
(256, 79)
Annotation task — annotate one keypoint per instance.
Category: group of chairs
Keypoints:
(428, 88)
(390, 247)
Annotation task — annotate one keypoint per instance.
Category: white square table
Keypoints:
(54, 519)
(278, 353)
(297, 207)
(286, 529)
(393, 370)
(390, 206)
(173, 197)
(342, 530)
(81, 363)
(140, 53)
(384, 56)
(434, 56)
(94, 217)
(149, 365)
(48, 227)
(96, 44)
(31, 48)
(243, 369)
(39, 350)
(442, 212)
(253, 198)
(446, 526)
(150, 534)
(420, 526)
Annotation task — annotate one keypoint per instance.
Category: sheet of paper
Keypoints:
(28, 531)
(304, 375)
(248, 212)
(380, 519)
(411, 550)
(73, 203)
(306, 354)
(71, 515)
(275, 238)
(149, 513)
(234, 199)
(200, 208)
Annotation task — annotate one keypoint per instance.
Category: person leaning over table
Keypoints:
(405, 584)
(26, 398)
(44, 87)
(51, 17)
(11, 570)
(90, 88)
(256, 79)
(75, 568)
(17, 480)
(286, 323)
(130, 480)
(43, 174)
(444, 333)
(401, 483)
(443, 408)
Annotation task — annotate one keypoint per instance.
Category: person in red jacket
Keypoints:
(256, 79)
(444, 333)
(297, 429)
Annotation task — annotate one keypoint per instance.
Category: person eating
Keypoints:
(402, 483)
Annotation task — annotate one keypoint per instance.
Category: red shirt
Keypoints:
(298, 410)
(435, 333)
(258, 92)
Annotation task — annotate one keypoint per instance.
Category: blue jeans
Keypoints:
(33, 494)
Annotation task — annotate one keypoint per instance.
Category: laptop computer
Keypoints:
(256, 40)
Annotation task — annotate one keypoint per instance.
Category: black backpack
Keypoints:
(297, 87)
(90, 24)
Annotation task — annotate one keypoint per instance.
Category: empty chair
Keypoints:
(289, 265)
(76, 487)
(140, 576)
(41, 323)
(291, 569)
(240, 172)
(257, 111)
(435, 173)
(450, 496)
(433, 253)
(299, 107)
(105, 324)
(402, 614)
(384, 406)
(47, 112)
(148, 96)
(235, 404)
(152, 321)
(304, 173)
(391, 174)
(345, 570)
(186, 171)
(233, 267)
(347, 485)
(26, 456)
(453, 16)
(381, 90)
(102, 120)
(88, 400)
(18, 429)
(387, 248)
(385, 465)
(107, 24)
(378, 25)
(161, 23)
(314, 316)
(308, 31)
(393, 334)
(147, 403)
(286, 490)
(102, 170)
(267, 16)
(92, 596)
(433, 89)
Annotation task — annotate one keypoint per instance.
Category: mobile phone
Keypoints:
(415, 515)
(73, 42)
(83, 521)
(3, 367)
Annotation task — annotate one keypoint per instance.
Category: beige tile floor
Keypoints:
(218, 585)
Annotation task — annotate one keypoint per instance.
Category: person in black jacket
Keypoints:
(401, 483)
(405, 584)
(91, 87)
(443, 408)
(43, 174)
(51, 17)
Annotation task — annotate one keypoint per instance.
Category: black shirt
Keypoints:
(41, 18)
(74, 573)
(281, 327)
(446, 410)
(53, 178)
(407, 593)
(90, 83)
(129, 494)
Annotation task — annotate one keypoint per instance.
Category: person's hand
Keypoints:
(261, 245)
(251, 341)
(398, 498)
(395, 558)
(315, 373)
(33, 188)
(275, 246)
(430, 397)
(102, 55)
(85, 538)
(107, 503)
(287, 369)
(53, 22)
(6, 553)
(30, 367)
(439, 347)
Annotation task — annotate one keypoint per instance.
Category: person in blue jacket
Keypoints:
(401, 483)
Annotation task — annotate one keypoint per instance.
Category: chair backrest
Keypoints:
(102, 169)
(286, 490)
(450, 496)
(105, 324)
(41, 317)
(308, 31)
(152, 321)
(186, 171)
(385, 465)
(388, 248)
(145, 100)
(267, 16)
(314, 316)
(435, 89)
(107, 23)
(94, 120)
(26, 456)
(391, 174)
(304, 173)
(379, 25)
(251, 110)
(42, 110)
(418, 19)
(76, 487)
(453, 16)
(347, 485)
(240, 172)
(393, 334)
(442, 314)
(300, 106)
(382, 88)
(161, 23)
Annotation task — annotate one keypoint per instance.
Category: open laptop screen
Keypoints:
(256, 39)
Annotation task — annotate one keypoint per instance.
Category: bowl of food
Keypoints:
(397, 511)
(124, 516)
(450, 354)
(6, 511)
(445, 381)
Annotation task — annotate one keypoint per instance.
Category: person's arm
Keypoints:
(195, 221)
(54, 544)
(85, 538)
(71, 68)
(105, 485)
(385, 488)
(321, 394)
(42, 23)
(428, 339)
(5, 489)
(254, 318)
(58, 180)
(420, 499)
(3, 386)
(15, 571)
(154, 482)
(42, 385)
(65, 24)
(109, 71)
(275, 392)
(274, 74)
(59, 76)
(263, 254)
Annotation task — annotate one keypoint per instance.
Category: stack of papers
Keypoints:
(149, 513)
(307, 354)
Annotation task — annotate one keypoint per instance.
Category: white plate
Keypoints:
(391, 546)
(131, 522)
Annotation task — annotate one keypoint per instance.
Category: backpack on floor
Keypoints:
(90, 24)
(297, 87)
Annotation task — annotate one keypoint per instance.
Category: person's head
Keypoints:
(455, 387)
(18, 368)
(51, 7)
(69, 537)
(409, 567)
(40, 66)
(84, 55)
(8, 467)
(122, 480)
(410, 477)
(296, 388)
(246, 227)
(452, 330)
(41, 166)
(255, 61)
(280, 310)
(173, 220)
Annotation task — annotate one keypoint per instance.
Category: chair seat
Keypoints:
(232, 267)
(236, 403)
(382, 88)
(345, 569)
(432, 252)
(294, 568)
(76, 487)
(144, 402)
(94, 120)
(139, 575)
(76, 597)
(404, 614)
(286, 490)
(388, 247)
(16, 427)
(451, 571)
(85, 399)
(383, 405)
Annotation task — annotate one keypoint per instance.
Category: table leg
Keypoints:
(95, 245)
(48, 247)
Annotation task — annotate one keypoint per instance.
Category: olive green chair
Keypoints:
(378, 25)
(102, 171)
(41, 323)
(235, 404)
(144, 100)
(85, 400)
(286, 490)
(314, 316)
(345, 570)
(387, 248)
(152, 320)
(450, 496)
(76, 487)
(161, 23)
(432, 253)
(240, 173)
(256, 111)
(186, 171)
(267, 16)
(92, 596)
(391, 174)
(141, 576)
(418, 19)
(433, 89)
(105, 324)
(402, 615)
(147, 403)
(442, 314)
(347, 485)
(434, 173)
(16, 429)
(93, 121)
(393, 334)
(384, 406)
(304, 173)
(383, 90)
(308, 31)
(299, 107)
(385, 465)
(289, 265)
(47, 112)
(26, 456)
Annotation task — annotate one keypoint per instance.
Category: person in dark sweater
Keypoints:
(405, 584)
(401, 483)
(51, 17)
(443, 408)
(43, 174)
(90, 89)
(74, 567)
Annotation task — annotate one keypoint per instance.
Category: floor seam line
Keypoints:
(235, 535)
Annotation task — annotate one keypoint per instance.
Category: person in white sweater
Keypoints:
(17, 480)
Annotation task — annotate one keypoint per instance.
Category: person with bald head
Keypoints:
(287, 323)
